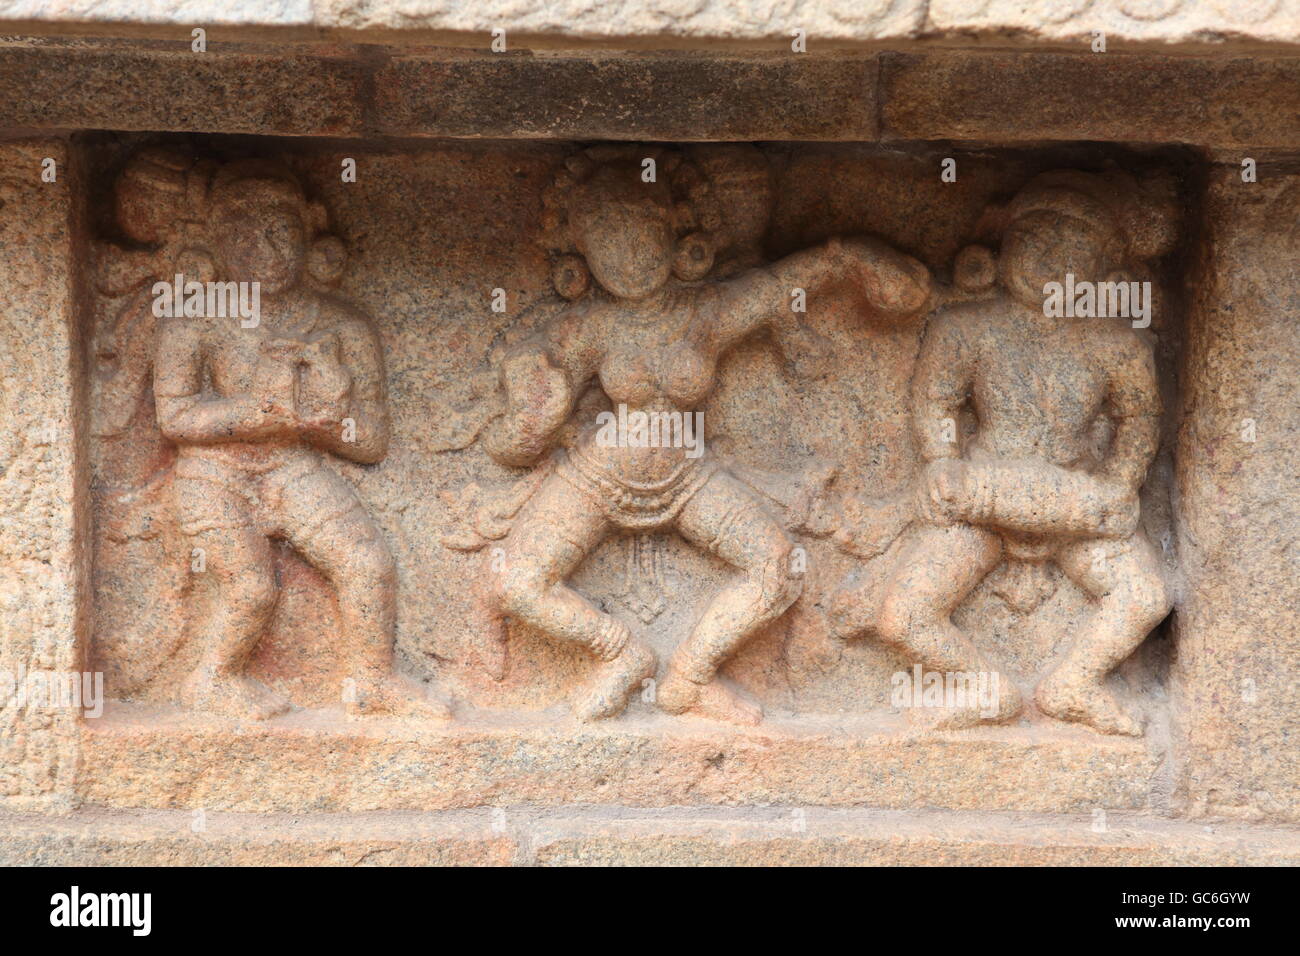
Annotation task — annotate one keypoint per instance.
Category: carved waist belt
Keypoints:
(632, 504)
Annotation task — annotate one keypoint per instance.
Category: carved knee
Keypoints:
(518, 591)
(1148, 599)
(778, 581)
(252, 591)
(897, 614)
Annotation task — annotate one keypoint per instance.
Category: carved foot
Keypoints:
(712, 701)
(1008, 706)
(231, 695)
(1084, 700)
(615, 681)
(395, 696)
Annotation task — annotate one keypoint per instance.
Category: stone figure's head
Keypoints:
(261, 224)
(1097, 227)
(631, 225)
(265, 230)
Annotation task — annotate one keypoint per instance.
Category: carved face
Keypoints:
(262, 240)
(1043, 246)
(623, 228)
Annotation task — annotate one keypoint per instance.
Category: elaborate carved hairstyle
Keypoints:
(1136, 217)
(1141, 215)
(694, 212)
(159, 189)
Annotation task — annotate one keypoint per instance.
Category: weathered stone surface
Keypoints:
(137, 756)
(430, 493)
(697, 97)
(884, 838)
(44, 555)
(413, 567)
(74, 87)
(162, 838)
(528, 836)
(374, 92)
(1239, 489)
(1027, 97)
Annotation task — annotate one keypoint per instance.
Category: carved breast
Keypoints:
(677, 375)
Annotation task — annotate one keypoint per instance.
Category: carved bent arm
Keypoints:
(133, 337)
(542, 379)
(186, 416)
(1135, 410)
(363, 397)
(941, 383)
(118, 271)
(894, 284)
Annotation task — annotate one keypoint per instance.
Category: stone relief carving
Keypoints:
(1063, 422)
(629, 255)
(1035, 434)
(254, 407)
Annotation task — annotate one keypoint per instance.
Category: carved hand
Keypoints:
(893, 282)
(276, 379)
(325, 388)
(538, 401)
(943, 496)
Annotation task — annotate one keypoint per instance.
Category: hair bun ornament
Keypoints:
(196, 264)
(1152, 220)
(326, 259)
(1144, 209)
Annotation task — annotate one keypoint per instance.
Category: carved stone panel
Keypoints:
(710, 432)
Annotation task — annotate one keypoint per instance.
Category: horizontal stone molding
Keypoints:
(137, 755)
(1031, 97)
(368, 93)
(342, 91)
(597, 836)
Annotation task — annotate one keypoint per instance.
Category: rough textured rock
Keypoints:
(722, 837)
(44, 593)
(1239, 491)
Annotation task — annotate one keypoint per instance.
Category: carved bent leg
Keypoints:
(725, 519)
(231, 600)
(323, 518)
(552, 535)
(938, 568)
(1124, 578)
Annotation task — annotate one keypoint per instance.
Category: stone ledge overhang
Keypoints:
(355, 91)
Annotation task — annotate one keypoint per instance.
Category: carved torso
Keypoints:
(236, 364)
(660, 363)
(1040, 385)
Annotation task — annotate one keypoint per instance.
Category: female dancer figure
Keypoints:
(652, 336)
